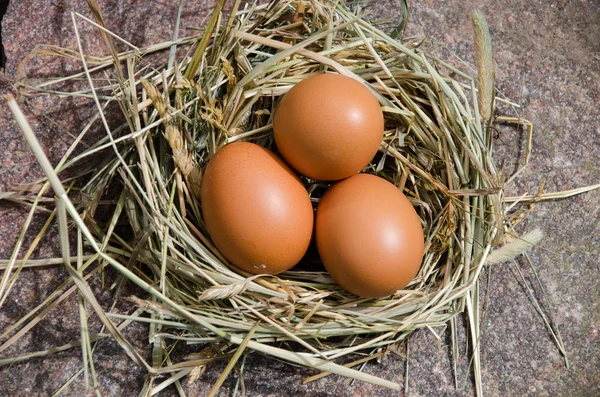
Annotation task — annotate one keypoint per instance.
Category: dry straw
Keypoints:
(437, 149)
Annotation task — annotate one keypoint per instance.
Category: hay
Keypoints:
(437, 148)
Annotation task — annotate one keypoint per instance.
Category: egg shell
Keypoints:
(369, 236)
(255, 208)
(328, 126)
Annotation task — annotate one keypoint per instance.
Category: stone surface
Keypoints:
(547, 60)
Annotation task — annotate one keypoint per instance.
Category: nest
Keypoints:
(437, 149)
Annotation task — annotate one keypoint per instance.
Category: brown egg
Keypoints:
(328, 127)
(369, 236)
(255, 209)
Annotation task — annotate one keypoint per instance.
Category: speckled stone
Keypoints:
(547, 60)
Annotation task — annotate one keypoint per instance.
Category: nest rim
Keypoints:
(293, 307)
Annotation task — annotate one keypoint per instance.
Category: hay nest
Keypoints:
(437, 148)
